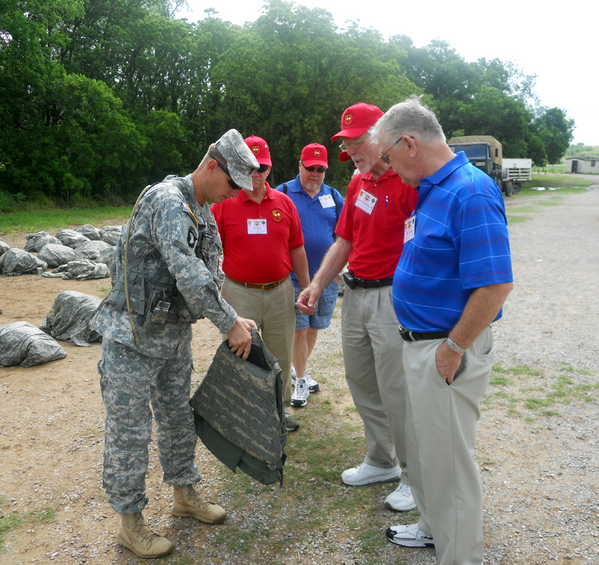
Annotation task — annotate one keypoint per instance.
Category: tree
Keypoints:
(63, 135)
(100, 97)
(556, 132)
(291, 74)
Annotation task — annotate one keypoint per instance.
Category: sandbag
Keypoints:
(106, 256)
(111, 234)
(90, 232)
(19, 262)
(81, 270)
(56, 255)
(71, 238)
(71, 318)
(91, 249)
(21, 343)
(239, 412)
(36, 241)
(4, 247)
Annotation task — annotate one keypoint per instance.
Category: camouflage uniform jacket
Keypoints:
(171, 229)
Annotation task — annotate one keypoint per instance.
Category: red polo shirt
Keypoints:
(376, 232)
(257, 237)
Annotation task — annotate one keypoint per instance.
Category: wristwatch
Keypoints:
(454, 346)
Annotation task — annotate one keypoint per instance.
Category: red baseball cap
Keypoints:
(344, 157)
(358, 119)
(315, 154)
(260, 149)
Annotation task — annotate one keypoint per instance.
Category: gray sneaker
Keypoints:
(291, 424)
(299, 398)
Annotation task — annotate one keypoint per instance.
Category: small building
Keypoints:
(582, 165)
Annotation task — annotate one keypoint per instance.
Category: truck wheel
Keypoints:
(517, 187)
(508, 189)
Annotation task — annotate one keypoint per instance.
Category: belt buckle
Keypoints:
(407, 335)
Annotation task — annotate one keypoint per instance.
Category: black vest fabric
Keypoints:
(239, 412)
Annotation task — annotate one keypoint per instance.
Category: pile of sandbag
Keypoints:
(80, 270)
(20, 262)
(72, 318)
(69, 252)
(21, 343)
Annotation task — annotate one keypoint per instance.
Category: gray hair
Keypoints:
(408, 118)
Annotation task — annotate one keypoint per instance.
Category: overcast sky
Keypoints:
(558, 44)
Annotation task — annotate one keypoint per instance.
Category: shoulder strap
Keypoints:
(333, 191)
(284, 188)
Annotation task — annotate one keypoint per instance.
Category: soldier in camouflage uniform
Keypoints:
(165, 265)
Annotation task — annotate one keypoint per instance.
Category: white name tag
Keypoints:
(366, 201)
(257, 226)
(409, 228)
(326, 201)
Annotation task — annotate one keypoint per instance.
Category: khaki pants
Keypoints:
(274, 313)
(441, 436)
(372, 351)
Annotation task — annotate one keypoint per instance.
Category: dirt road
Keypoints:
(538, 444)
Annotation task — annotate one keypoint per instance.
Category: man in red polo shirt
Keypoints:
(370, 234)
(262, 243)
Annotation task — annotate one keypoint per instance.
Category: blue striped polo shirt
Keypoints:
(460, 243)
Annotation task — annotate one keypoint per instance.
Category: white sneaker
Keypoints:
(299, 398)
(366, 474)
(401, 499)
(313, 386)
(409, 536)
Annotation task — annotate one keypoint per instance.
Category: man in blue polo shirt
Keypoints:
(450, 285)
(319, 207)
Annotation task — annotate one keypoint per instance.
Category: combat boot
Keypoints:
(188, 503)
(135, 535)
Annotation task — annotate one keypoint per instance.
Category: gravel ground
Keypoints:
(540, 472)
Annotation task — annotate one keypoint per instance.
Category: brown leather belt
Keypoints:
(265, 286)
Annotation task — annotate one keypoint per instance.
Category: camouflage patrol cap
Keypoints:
(240, 160)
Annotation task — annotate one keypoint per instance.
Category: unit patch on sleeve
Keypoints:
(192, 237)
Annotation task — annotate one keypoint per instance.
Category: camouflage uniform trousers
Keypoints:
(131, 381)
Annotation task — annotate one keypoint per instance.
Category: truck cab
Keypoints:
(485, 153)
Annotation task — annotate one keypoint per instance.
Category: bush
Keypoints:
(11, 202)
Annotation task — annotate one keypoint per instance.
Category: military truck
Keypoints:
(485, 153)
(517, 169)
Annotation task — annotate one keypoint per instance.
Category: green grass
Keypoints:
(555, 181)
(50, 220)
(313, 496)
(524, 210)
(545, 198)
(14, 521)
(551, 169)
(523, 388)
(517, 219)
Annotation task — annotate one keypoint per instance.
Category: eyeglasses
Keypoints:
(385, 156)
(262, 168)
(351, 144)
(314, 168)
(230, 181)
